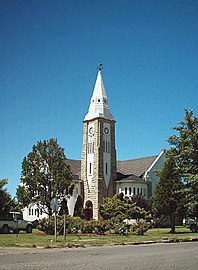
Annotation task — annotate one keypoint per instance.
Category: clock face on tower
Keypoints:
(106, 130)
(90, 130)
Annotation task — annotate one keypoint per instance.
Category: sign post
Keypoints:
(64, 206)
(54, 204)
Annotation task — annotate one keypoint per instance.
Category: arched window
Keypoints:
(134, 191)
(108, 147)
(103, 146)
(130, 191)
(92, 147)
(125, 191)
(106, 168)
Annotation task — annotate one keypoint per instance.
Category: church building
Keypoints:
(99, 174)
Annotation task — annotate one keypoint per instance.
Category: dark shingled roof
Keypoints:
(127, 168)
(135, 166)
(128, 178)
(75, 166)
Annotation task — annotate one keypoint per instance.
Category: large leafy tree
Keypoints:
(7, 203)
(168, 197)
(45, 175)
(121, 207)
(184, 149)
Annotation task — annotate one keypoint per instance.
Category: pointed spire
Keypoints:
(99, 106)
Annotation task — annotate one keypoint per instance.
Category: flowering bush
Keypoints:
(93, 226)
(46, 225)
(140, 227)
(76, 224)
(73, 224)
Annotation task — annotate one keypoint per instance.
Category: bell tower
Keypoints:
(98, 166)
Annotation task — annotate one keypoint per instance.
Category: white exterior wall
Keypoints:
(150, 175)
(140, 188)
(32, 213)
(71, 201)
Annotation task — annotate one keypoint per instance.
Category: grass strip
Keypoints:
(38, 239)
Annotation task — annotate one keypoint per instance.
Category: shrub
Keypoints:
(121, 228)
(76, 224)
(121, 207)
(46, 225)
(73, 224)
(116, 226)
(140, 227)
(93, 226)
(100, 228)
(88, 226)
(78, 210)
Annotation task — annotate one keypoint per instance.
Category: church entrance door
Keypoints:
(88, 210)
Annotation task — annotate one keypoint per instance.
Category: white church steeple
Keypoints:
(99, 106)
(98, 165)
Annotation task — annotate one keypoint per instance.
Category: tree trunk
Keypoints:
(172, 219)
(49, 212)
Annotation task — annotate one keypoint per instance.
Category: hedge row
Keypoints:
(76, 225)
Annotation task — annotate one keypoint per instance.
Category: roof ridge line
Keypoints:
(138, 158)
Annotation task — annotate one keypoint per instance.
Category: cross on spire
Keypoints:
(100, 66)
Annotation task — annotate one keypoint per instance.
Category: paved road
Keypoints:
(144, 257)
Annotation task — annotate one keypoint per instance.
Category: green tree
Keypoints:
(121, 207)
(45, 175)
(78, 209)
(141, 202)
(184, 149)
(64, 208)
(6, 202)
(168, 197)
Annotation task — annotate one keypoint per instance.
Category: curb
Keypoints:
(194, 239)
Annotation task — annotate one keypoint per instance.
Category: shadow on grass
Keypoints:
(186, 233)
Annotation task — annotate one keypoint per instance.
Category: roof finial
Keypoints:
(100, 66)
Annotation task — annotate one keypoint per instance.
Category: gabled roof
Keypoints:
(135, 166)
(75, 166)
(128, 168)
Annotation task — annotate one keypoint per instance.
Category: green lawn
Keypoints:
(37, 239)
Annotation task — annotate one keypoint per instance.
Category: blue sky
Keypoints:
(49, 51)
